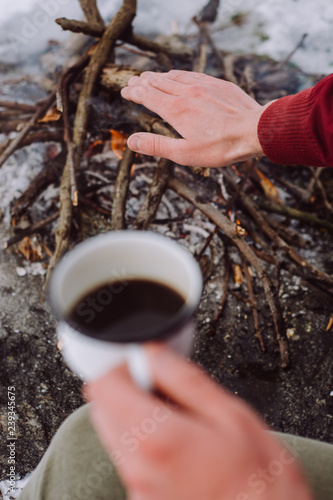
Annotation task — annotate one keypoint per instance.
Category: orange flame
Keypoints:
(90, 151)
(96, 143)
(118, 143)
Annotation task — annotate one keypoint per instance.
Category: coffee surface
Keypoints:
(126, 311)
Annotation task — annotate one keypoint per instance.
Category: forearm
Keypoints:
(298, 129)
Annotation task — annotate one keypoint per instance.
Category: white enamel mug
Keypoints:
(115, 257)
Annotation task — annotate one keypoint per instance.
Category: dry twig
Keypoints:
(155, 193)
(91, 12)
(295, 214)
(121, 190)
(304, 268)
(253, 303)
(34, 228)
(18, 106)
(38, 136)
(16, 143)
(99, 57)
(230, 230)
(183, 53)
(212, 327)
(50, 174)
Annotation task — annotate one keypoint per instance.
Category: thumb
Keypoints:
(157, 145)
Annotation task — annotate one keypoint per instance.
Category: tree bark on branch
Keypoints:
(99, 57)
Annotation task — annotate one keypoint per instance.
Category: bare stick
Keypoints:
(89, 203)
(199, 64)
(306, 269)
(26, 129)
(155, 193)
(230, 230)
(18, 106)
(294, 214)
(209, 12)
(183, 53)
(286, 233)
(253, 303)
(13, 126)
(50, 174)
(13, 113)
(64, 83)
(34, 228)
(114, 77)
(248, 82)
(90, 29)
(328, 205)
(38, 136)
(207, 243)
(226, 276)
(91, 12)
(121, 190)
(246, 223)
(289, 56)
(99, 57)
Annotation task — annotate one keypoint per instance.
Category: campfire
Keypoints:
(236, 219)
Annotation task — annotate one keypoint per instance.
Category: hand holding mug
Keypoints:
(207, 445)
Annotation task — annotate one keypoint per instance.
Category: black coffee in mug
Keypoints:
(135, 310)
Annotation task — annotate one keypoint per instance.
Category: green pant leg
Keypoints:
(75, 466)
(316, 460)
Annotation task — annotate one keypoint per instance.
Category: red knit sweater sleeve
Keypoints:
(298, 129)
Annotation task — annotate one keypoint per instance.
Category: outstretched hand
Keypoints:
(207, 445)
(216, 120)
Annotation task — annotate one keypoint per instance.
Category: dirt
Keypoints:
(46, 391)
(298, 400)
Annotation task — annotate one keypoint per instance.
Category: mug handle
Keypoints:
(138, 366)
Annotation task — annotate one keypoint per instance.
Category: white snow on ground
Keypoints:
(9, 492)
(272, 27)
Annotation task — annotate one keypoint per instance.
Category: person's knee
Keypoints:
(75, 424)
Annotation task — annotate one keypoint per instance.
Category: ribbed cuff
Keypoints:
(284, 134)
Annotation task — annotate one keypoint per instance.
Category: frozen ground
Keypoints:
(272, 27)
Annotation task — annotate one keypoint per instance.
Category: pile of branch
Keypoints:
(64, 118)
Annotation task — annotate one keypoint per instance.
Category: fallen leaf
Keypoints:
(238, 275)
(52, 115)
(329, 324)
(31, 249)
(95, 148)
(268, 187)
